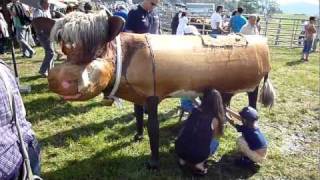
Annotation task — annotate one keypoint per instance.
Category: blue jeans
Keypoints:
(215, 32)
(34, 156)
(307, 45)
(22, 39)
(47, 45)
(186, 104)
(33, 150)
(213, 146)
(2, 45)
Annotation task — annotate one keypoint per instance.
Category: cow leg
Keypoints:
(253, 97)
(226, 98)
(153, 131)
(138, 112)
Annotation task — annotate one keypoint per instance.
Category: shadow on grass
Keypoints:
(51, 108)
(29, 78)
(108, 164)
(39, 88)
(101, 166)
(59, 140)
(294, 63)
(225, 168)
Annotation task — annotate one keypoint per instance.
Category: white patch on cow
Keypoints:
(256, 38)
(185, 93)
(90, 75)
(68, 45)
(85, 80)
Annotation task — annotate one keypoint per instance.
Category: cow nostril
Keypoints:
(65, 84)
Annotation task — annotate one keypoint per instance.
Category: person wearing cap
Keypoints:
(252, 144)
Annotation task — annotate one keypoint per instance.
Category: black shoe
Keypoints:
(138, 137)
(244, 162)
(43, 75)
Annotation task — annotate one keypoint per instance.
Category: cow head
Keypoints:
(86, 41)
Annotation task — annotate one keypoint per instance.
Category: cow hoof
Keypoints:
(138, 137)
(153, 165)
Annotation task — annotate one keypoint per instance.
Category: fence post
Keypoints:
(266, 30)
(203, 28)
(278, 33)
(292, 35)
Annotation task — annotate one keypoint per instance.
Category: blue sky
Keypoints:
(310, 7)
(298, 1)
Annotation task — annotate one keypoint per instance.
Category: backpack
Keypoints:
(22, 13)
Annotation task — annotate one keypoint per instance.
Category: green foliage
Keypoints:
(250, 6)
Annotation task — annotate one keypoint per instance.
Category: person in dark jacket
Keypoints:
(175, 22)
(198, 137)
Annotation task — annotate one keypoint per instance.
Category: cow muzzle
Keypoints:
(80, 82)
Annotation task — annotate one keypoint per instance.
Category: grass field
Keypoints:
(86, 140)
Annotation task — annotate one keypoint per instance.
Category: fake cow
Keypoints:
(146, 69)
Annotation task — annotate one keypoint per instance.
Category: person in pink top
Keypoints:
(310, 31)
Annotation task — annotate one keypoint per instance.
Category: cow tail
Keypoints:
(268, 93)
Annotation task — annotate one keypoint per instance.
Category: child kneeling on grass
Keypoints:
(252, 143)
(198, 137)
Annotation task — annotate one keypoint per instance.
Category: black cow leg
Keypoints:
(153, 131)
(253, 97)
(138, 112)
(226, 98)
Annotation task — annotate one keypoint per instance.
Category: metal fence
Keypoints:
(281, 32)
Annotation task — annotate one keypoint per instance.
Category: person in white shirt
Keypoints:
(183, 22)
(251, 27)
(216, 21)
(44, 39)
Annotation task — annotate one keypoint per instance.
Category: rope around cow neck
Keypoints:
(153, 66)
(118, 71)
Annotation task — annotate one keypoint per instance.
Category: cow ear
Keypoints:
(43, 25)
(115, 25)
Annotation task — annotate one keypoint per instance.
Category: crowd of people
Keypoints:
(238, 23)
(199, 136)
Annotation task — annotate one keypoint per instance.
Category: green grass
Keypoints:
(86, 140)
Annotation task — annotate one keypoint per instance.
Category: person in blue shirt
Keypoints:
(252, 144)
(237, 21)
(122, 12)
(197, 139)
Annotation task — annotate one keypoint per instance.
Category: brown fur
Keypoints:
(183, 63)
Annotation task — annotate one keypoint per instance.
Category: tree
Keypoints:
(272, 7)
(250, 6)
